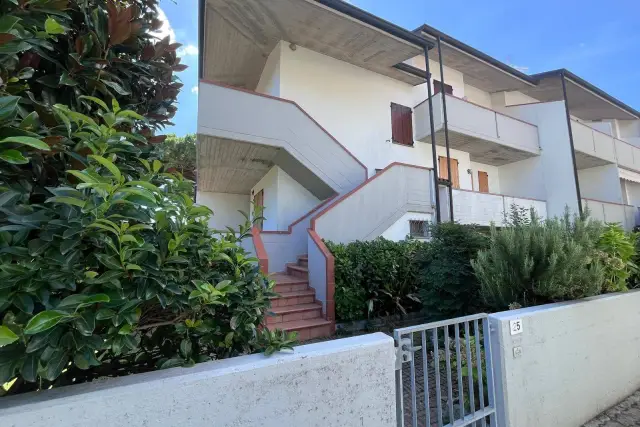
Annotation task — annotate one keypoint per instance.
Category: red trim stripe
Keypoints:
(261, 253)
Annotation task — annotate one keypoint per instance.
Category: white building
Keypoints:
(322, 113)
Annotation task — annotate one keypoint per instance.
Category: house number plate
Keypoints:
(515, 326)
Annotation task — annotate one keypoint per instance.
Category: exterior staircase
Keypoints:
(296, 308)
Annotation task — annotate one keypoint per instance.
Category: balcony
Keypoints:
(471, 207)
(625, 215)
(488, 136)
(595, 148)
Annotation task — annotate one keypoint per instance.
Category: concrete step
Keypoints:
(309, 329)
(297, 271)
(303, 261)
(287, 283)
(291, 313)
(294, 298)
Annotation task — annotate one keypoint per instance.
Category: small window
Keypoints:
(418, 229)
(448, 89)
(401, 124)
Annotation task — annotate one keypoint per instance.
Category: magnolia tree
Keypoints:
(106, 265)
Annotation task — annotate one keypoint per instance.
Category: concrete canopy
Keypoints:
(238, 37)
(479, 69)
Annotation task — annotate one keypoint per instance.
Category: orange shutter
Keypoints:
(483, 182)
(443, 171)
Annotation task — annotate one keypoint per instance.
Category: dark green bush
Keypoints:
(541, 262)
(106, 265)
(375, 278)
(448, 285)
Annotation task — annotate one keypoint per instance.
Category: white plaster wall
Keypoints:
(555, 169)
(492, 171)
(269, 185)
(601, 183)
(293, 200)
(453, 78)
(631, 192)
(604, 127)
(575, 360)
(628, 128)
(353, 104)
(400, 229)
(269, 83)
(477, 96)
(225, 208)
(347, 382)
(524, 178)
(516, 98)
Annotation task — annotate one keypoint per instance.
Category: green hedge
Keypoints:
(375, 278)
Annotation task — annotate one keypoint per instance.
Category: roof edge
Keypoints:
(589, 86)
(375, 21)
(475, 52)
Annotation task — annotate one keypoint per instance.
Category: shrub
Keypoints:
(617, 251)
(541, 262)
(448, 285)
(374, 278)
(106, 265)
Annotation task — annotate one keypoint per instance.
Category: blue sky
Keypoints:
(599, 41)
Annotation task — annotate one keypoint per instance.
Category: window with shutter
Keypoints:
(448, 89)
(401, 124)
(443, 171)
(483, 182)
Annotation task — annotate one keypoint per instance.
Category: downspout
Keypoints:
(201, 8)
(573, 153)
(446, 130)
(433, 134)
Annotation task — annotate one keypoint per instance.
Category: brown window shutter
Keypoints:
(483, 182)
(401, 124)
(448, 89)
(443, 172)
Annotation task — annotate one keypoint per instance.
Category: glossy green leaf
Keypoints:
(7, 336)
(44, 320)
(52, 26)
(13, 156)
(81, 300)
(109, 165)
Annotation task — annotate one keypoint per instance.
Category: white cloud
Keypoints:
(194, 90)
(165, 30)
(188, 50)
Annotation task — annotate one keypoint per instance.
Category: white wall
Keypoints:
(269, 186)
(524, 179)
(492, 171)
(555, 168)
(225, 208)
(353, 104)
(477, 96)
(572, 360)
(516, 98)
(347, 382)
(270, 79)
(285, 200)
(601, 183)
(452, 77)
(631, 192)
(293, 200)
(400, 229)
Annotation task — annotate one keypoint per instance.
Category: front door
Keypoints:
(258, 207)
(443, 172)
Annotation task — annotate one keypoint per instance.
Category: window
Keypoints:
(448, 89)
(401, 124)
(443, 171)
(483, 182)
(418, 229)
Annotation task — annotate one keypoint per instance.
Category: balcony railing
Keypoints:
(625, 215)
(604, 147)
(478, 130)
(472, 207)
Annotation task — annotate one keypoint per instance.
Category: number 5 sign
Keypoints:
(515, 326)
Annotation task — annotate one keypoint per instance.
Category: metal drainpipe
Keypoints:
(573, 153)
(433, 134)
(446, 130)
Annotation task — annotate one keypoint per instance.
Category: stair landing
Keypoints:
(296, 308)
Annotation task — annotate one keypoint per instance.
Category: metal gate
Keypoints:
(444, 375)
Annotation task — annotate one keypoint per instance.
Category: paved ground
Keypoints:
(625, 414)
